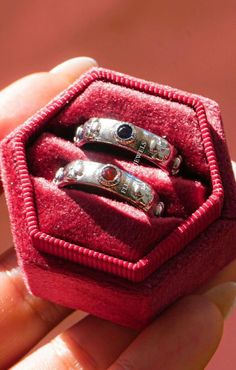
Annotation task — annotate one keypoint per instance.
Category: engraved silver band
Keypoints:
(113, 179)
(110, 131)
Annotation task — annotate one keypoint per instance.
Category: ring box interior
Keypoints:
(87, 249)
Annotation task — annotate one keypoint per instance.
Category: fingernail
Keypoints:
(74, 63)
(224, 297)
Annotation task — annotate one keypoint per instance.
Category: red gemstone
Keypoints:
(109, 173)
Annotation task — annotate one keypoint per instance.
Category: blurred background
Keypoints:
(186, 44)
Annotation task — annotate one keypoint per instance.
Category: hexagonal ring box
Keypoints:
(89, 250)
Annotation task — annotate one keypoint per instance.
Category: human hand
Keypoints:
(184, 337)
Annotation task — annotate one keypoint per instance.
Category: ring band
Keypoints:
(110, 131)
(113, 179)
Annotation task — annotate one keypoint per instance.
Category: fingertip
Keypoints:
(205, 312)
(187, 334)
(74, 67)
(206, 325)
(224, 297)
(35, 90)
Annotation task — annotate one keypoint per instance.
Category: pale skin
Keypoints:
(184, 337)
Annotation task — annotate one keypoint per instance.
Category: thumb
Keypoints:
(24, 97)
(184, 337)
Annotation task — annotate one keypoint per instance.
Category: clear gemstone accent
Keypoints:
(59, 175)
(160, 148)
(142, 193)
(93, 128)
(159, 209)
(176, 165)
(75, 171)
(137, 190)
(79, 133)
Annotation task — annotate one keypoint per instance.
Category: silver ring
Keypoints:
(144, 143)
(113, 179)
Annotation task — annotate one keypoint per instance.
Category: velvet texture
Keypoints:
(104, 224)
(100, 222)
(96, 220)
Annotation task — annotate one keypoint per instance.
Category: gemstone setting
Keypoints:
(159, 148)
(125, 133)
(142, 193)
(93, 128)
(109, 175)
(75, 171)
(176, 165)
(79, 134)
(159, 209)
(59, 175)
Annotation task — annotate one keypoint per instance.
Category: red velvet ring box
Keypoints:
(90, 251)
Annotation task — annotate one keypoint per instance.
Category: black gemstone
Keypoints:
(124, 131)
